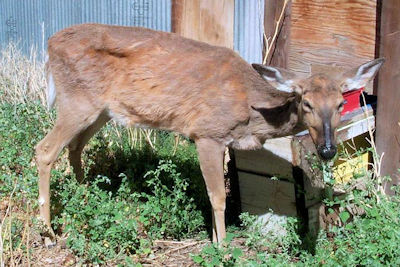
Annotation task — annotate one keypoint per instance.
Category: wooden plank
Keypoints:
(186, 18)
(388, 113)
(340, 33)
(206, 20)
(259, 194)
(275, 159)
(316, 218)
(177, 13)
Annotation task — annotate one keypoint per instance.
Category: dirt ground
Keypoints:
(164, 253)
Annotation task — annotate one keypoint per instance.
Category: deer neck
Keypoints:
(277, 122)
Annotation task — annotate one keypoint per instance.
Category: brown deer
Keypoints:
(142, 77)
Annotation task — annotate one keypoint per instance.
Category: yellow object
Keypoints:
(345, 170)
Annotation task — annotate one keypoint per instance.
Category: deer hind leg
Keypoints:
(76, 146)
(211, 157)
(66, 128)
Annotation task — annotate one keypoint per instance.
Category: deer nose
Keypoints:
(327, 152)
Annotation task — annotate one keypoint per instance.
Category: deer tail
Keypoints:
(51, 88)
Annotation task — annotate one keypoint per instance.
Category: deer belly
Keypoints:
(153, 118)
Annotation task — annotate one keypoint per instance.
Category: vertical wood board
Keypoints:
(205, 20)
(388, 113)
(278, 56)
(275, 159)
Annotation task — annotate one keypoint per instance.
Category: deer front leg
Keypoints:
(211, 157)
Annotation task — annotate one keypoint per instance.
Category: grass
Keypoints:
(22, 79)
(144, 188)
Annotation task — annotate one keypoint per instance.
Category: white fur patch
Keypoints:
(353, 84)
(281, 84)
(248, 142)
(141, 125)
(125, 121)
(120, 119)
(51, 91)
(134, 45)
(41, 201)
(229, 142)
(286, 86)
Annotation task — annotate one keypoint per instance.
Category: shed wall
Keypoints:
(32, 22)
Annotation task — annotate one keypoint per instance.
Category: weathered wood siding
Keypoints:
(340, 33)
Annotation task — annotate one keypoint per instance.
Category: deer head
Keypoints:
(319, 99)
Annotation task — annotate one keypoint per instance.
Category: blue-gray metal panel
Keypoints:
(248, 29)
(32, 22)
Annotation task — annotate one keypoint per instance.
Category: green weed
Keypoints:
(219, 254)
(105, 218)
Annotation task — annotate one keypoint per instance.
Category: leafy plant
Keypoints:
(168, 212)
(219, 254)
(101, 225)
(104, 218)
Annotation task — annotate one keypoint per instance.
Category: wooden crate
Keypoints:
(273, 160)
(260, 194)
(273, 198)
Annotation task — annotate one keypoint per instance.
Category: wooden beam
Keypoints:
(204, 20)
(177, 13)
(388, 113)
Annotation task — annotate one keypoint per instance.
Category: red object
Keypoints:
(352, 100)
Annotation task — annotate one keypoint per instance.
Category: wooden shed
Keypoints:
(306, 36)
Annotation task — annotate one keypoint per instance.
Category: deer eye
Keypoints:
(307, 106)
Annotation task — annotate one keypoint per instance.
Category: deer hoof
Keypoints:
(49, 243)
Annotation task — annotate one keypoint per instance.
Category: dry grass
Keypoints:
(22, 78)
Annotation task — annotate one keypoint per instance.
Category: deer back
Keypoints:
(155, 79)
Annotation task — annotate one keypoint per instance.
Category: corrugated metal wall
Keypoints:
(248, 29)
(34, 21)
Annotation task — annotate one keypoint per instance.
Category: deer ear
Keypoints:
(274, 103)
(280, 79)
(359, 77)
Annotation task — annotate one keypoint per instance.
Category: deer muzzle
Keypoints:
(327, 150)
